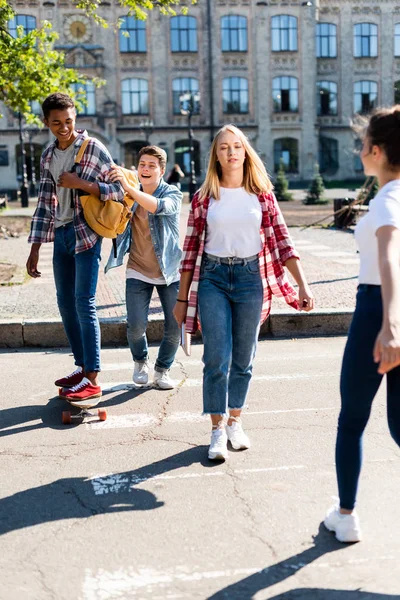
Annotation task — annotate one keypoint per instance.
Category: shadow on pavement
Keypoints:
(50, 414)
(324, 543)
(80, 498)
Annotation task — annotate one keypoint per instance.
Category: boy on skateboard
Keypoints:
(59, 218)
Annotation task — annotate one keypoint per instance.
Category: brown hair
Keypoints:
(383, 130)
(57, 101)
(156, 152)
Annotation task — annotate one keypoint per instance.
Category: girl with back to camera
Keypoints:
(373, 345)
(235, 250)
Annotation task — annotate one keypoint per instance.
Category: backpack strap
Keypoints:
(77, 160)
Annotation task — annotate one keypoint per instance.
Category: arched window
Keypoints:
(326, 98)
(397, 39)
(131, 152)
(287, 150)
(285, 93)
(284, 33)
(27, 21)
(135, 97)
(328, 155)
(180, 85)
(365, 96)
(132, 35)
(235, 95)
(326, 40)
(86, 91)
(234, 33)
(183, 31)
(365, 40)
(182, 155)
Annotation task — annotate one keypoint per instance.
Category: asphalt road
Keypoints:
(130, 508)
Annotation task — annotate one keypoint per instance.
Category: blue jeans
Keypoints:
(230, 300)
(359, 384)
(138, 296)
(76, 277)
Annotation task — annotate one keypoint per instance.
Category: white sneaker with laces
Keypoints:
(141, 372)
(346, 527)
(236, 435)
(218, 446)
(162, 380)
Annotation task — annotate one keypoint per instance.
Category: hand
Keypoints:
(306, 299)
(387, 350)
(117, 174)
(69, 180)
(179, 311)
(32, 263)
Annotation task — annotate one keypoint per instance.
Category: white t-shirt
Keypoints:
(384, 209)
(233, 224)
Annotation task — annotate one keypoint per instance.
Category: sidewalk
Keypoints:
(29, 314)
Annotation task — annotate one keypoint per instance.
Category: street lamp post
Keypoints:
(147, 126)
(189, 103)
(24, 180)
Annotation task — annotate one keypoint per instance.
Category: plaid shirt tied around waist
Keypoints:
(277, 248)
(95, 166)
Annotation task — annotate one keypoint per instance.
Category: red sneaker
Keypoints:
(70, 380)
(82, 391)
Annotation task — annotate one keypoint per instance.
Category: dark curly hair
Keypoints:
(57, 101)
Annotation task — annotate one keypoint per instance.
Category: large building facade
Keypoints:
(291, 74)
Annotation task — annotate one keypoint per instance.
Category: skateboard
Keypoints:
(68, 417)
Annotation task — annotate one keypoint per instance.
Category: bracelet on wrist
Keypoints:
(185, 301)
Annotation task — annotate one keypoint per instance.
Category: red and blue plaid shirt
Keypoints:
(277, 248)
(95, 166)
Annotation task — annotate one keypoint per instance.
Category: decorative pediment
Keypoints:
(81, 57)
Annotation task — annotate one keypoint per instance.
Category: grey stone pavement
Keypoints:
(29, 314)
(131, 509)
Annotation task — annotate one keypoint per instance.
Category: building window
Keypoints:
(136, 40)
(131, 152)
(183, 34)
(180, 85)
(234, 34)
(135, 97)
(27, 21)
(326, 98)
(328, 155)
(365, 40)
(287, 150)
(284, 33)
(235, 95)
(397, 39)
(397, 92)
(285, 92)
(326, 40)
(182, 155)
(86, 91)
(365, 96)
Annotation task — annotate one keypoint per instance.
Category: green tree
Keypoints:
(137, 8)
(316, 190)
(281, 185)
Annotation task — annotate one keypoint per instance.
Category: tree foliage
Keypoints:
(316, 190)
(281, 185)
(30, 67)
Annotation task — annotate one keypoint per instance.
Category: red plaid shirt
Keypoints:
(277, 248)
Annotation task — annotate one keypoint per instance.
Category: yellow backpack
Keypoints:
(108, 218)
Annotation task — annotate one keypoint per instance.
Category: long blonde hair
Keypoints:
(255, 176)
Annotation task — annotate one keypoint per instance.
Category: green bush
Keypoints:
(281, 185)
(316, 190)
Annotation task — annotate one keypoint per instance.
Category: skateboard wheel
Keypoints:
(102, 414)
(66, 417)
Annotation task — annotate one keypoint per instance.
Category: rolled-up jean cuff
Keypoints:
(224, 414)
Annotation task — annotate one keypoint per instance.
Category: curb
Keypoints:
(49, 333)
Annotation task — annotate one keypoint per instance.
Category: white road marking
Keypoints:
(123, 421)
(108, 585)
(332, 253)
(116, 483)
(348, 261)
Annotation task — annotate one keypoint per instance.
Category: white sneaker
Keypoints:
(162, 380)
(346, 527)
(236, 435)
(218, 446)
(141, 372)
